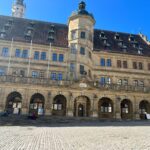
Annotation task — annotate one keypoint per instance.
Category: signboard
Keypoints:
(148, 116)
(83, 85)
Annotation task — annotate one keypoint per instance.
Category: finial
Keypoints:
(82, 5)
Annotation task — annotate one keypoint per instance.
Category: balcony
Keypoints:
(48, 82)
(116, 87)
(33, 81)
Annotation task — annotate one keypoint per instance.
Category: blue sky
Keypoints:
(130, 16)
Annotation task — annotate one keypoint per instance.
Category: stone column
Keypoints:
(2, 100)
(94, 105)
(136, 114)
(117, 108)
(48, 104)
(25, 102)
(70, 101)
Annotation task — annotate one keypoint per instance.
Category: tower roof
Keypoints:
(20, 2)
(82, 10)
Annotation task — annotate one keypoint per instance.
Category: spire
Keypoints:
(18, 9)
(19, 2)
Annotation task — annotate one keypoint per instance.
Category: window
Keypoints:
(148, 66)
(22, 73)
(119, 63)
(82, 50)
(61, 57)
(106, 107)
(108, 80)
(2, 72)
(72, 67)
(102, 62)
(73, 48)
(134, 65)
(5, 52)
(53, 76)
(82, 35)
(36, 55)
(125, 82)
(57, 106)
(105, 80)
(102, 80)
(25, 54)
(108, 62)
(135, 82)
(125, 65)
(54, 58)
(18, 53)
(35, 74)
(119, 82)
(60, 76)
(41, 75)
(73, 35)
(43, 55)
(140, 66)
(82, 69)
(141, 83)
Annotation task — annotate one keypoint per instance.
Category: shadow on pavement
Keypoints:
(68, 122)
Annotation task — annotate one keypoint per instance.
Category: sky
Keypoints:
(131, 16)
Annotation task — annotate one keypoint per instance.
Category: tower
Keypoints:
(80, 40)
(18, 9)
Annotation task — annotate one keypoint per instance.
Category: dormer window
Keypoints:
(10, 22)
(131, 39)
(102, 35)
(2, 33)
(51, 33)
(7, 26)
(140, 50)
(117, 37)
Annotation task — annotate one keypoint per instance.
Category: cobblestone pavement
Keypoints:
(100, 136)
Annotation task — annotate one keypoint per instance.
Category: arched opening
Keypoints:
(37, 104)
(105, 106)
(126, 109)
(82, 106)
(14, 103)
(144, 108)
(59, 105)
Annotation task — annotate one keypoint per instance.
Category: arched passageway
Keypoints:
(82, 106)
(144, 108)
(14, 103)
(59, 105)
(37, 104)
(105, 108)
(126, 109)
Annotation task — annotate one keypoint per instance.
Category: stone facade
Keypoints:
(100, 84)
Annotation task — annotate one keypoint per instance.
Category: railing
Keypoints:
(49, 82)
(33, 81)
(116, 87)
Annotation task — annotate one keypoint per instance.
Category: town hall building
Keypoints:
(72, 69)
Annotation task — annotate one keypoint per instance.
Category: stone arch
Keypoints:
(126, 109)
(144, 107)
(37, 103)
(105, 108)
(14, 103)
(59, 105)
(82, 106)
